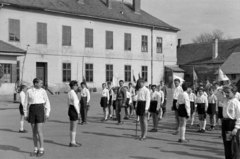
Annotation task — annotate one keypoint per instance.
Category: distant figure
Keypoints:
(22, 96)
(110, 104)
(104, 102)
(164, 89)
(208, 86)
(84, 102)
(192, 98)
(212, 106)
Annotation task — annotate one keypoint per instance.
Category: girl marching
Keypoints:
(104, 102)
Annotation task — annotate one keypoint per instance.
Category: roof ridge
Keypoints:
(211, 42)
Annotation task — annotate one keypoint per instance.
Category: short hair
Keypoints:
(109, 83)
(22, 87)
(141, 80)
(184, 86)
(83, 83)
(176, 79)
(211, 89)
(200, 88)
(233, 88)
(129, 83)
(121, 81)
(73, 83)
(36, 80)
(152, 86)
(104, 84)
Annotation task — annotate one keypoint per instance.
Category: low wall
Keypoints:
(7, 89)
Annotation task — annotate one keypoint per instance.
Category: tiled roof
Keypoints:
(232, 64)
(175, 68)
(201, 53)
(94, 9)
(8, 48)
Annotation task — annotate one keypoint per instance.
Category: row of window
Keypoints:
(14, 35)
(66, 68)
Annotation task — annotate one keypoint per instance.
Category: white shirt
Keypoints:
(144, 95)
(73, 100)
(176, 92)
(237, 95)
(36, 96)
(202, 99)
(231, 109)
(129, 96)
(192, 97)
(132, 91)
(212, 99)
(155, 96)
(183, 98)
(220, 96)
(85, 93)
(22, 97)
(105, 93)
(114, 96)
(161, 93)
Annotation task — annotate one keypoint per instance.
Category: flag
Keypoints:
(114, 81)
(83, 79)
(134, 79)
(139, 76)
(195, 77)
(222, 76)
(177, 77)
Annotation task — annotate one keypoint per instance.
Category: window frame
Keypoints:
(159, 43)
(43, 32)
(109, 40)
(127, 71)
(109, 73)
(89, 73)
(67, 73)
(144, 44)
(9, 74)
(66, 41)
(16, 30)
(127, 42)
(144, 73)
(89, 41)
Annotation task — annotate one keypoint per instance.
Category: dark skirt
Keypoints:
(141, 108)
(134, 104)
(110, 101)
(72, 113)
(201, 109)
(103, 102)
(211, 108)
(114, 104)
(182, 112)
(220, 112)
(127, 103)
(36, 113)
(174, 105)
(153, 106)
(232, 147)
(192, 106)
(21, 109)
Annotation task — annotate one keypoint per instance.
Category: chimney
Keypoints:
(80, 1)
(179, 43)
(109, 4)
(137, 6)
(215, 48)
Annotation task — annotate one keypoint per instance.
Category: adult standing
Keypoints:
(110, 104)
(143, 103)
(85, 98)
(164, 89)
(231, 123)
(36, 111)
(121, 102)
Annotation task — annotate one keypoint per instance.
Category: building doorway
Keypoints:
(41, 72)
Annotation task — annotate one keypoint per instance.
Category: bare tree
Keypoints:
(207, 37)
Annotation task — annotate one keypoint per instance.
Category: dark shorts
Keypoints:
(114, 104)
(103, 102)
(134, 104)
(141, 108)
(182, 112)
(201, 109)
(220, 112)
(211, 109)
(72, 113)
(36, 114)
(127, 103)
(174, 105)
(192, 105)
(153, 107)
(21, 109)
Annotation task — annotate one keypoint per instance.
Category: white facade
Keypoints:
(54, 54)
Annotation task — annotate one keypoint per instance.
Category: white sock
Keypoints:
(178, 129)
(201, 124)
(73, 137)
(35, 148)
(41, 149)
(21, 125)
(183, 133)
(180, 132)
(204, 124)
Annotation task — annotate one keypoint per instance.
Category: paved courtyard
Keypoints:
(101, 140)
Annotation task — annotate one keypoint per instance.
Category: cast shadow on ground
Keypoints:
(8, 108)
(48, 141)
(57, 121)
(107, 135)
(9, 130)
(11, 148)
(140, 157)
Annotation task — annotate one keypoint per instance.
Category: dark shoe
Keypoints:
(152, 130)
(119, 123)
(34, 153)
(175, 133)
(209, 129)
(199, 130)
(23, 131)
(74, 145)
(115, 119)
(142, 138)
(183, 141)
(202, 131)
(40, 153)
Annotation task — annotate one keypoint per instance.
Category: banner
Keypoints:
(195, 77)
(222, 76)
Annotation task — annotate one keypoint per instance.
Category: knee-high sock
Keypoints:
(201, 124)
(180, 132)
(70, 136)
(21, 125)
(183, 133)
(204, 124)
(73, 137)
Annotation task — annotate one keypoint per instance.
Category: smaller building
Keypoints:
(8, 60)
(206, 58)
(170, 72)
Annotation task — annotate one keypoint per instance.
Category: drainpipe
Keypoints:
(152, 55)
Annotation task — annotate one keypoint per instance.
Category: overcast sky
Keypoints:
(197, 16)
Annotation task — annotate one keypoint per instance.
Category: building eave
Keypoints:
(12, 54)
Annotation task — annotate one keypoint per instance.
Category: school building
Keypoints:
(98, 39)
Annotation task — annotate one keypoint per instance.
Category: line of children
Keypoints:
(104, 102)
